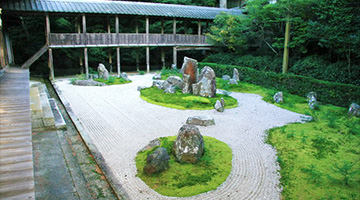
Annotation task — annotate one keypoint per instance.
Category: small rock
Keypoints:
(158, 84)
(354, 110)
(189, 145)
(88, 82)
(173, 66)
(279, 97)
(103, 72)
(152, 144)
(201, 120)
(172, 83)
(233, 81)
(141, 88)
(124, 76)
(236, 75)
(226, 77)
(157, 77)
(157, 162)
(219, 106)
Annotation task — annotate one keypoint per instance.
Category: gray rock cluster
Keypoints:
(189, 145)
(354, 110)
(234, 80)
(279, 97)
(157, 162)
(103, 72)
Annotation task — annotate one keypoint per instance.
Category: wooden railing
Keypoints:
(125, 39)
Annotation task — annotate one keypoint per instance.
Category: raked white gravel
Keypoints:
(120, 123)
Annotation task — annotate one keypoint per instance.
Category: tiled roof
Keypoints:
(115, 7)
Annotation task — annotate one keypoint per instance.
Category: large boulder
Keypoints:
(279, 97)
(354, 110)
(172, 83)
(189, 145)
(190, 68)
(157, 162)
(207, 82)
(103, 72)
(201, 120)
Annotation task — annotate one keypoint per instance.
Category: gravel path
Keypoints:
(120, 123)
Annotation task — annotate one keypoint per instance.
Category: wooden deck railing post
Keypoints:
(118, 60)
(81, 57)
(147, 47)
(199, 31)
(84, 42)
(51, 65)
(174, 56)
(108, 42)
(174, 30)
(86, 63)
(47, 38)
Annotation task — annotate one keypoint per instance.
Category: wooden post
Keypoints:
(81, 57)
(147, 29)
(109, 52)
(118, 60)
(47, 31)
(162, 26)
(84, 29)
(137, 60)
(174, 30)
(51, 65)
(174, 56)
(117, 28)
(163, 57)
(147, 59)
(86, 63)
(185, 27)
(199, 30)
(147, 48)
(136, 26)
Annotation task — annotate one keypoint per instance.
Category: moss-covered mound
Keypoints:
(182, 101)
(183, 179)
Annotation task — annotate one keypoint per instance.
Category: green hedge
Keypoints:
(328, 92)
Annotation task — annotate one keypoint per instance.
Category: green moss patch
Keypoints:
(318, 159)
(183, 179)
(182, 101)
(113, 81)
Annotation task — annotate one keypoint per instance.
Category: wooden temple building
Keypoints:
(118, 10)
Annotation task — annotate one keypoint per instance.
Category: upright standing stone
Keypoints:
(103, 72)
(124, 76)
(236, 75)
(219, 106)
(206, 87)
(354, 110)
(189, 67)
(311, 97)
(189, 144)
(279, 97)
(157, 162)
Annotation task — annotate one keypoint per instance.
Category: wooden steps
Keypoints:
(16, 159)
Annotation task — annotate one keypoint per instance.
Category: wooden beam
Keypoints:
(51, 65)
(147, 59)
(86, 63)
(47, 30)
(118, 60)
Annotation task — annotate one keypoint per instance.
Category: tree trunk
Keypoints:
(286, 47)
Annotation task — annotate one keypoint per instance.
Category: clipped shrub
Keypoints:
(334, 93)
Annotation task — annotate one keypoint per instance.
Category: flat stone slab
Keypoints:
(201, 120)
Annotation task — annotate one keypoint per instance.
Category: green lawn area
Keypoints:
(318, 159)
(182, 101)
(183, 179)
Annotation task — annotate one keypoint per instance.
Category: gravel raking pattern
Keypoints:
(120, 123)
